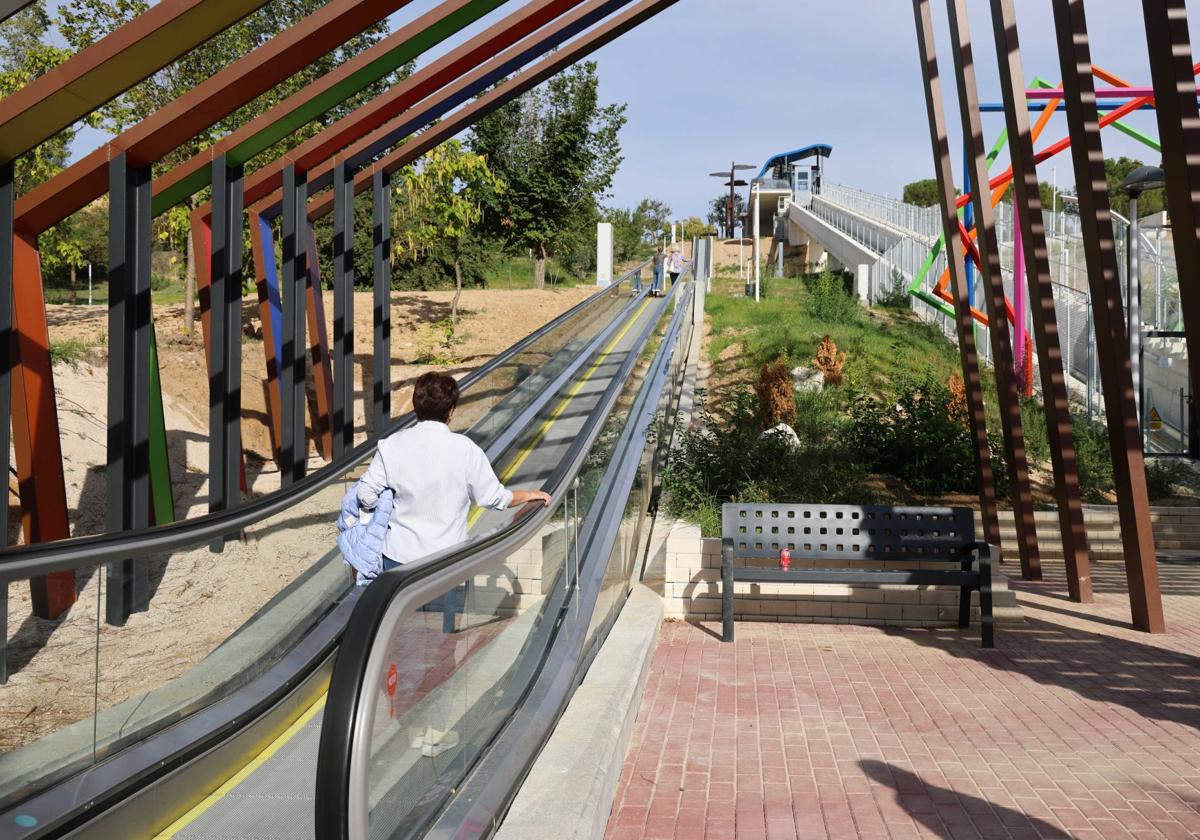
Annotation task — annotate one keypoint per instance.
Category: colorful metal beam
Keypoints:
(452, 82)
(109, 67)
(321, 97)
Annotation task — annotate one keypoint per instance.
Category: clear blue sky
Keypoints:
(708, 81)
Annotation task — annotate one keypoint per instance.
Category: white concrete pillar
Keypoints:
(863, 283)
(756, 243)
(604, 254)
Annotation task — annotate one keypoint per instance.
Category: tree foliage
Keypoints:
(694, 227)
(716, 210)
(557, 150)
(439, 203)
(923, 193)
(636, 230)
(1149, 202)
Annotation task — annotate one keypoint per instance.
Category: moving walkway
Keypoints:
(415, 705)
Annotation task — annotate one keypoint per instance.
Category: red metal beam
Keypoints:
(440, 79)
(176, 123)
(36, 442)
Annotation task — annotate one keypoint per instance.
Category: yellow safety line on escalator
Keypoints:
(239, 777)
(309, 713)
(527, 450)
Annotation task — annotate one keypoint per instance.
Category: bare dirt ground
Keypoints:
(200, 598)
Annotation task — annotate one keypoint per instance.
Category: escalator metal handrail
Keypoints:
(25, 561)
(393, 591)
(489, 790)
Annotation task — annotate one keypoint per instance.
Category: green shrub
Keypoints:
(917, 434)
(829, 301)
(435, 343)
(1164, 475)
(896, 296)
(717, 462)
(1095, 459)
(68, 350)
(1033, 422)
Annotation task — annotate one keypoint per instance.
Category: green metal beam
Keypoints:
(305, 110)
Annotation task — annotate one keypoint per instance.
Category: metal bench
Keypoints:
(912, 546)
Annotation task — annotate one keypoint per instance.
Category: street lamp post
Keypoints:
(733, 183)
(1135, 183)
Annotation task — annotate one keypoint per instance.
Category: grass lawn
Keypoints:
(879, 343)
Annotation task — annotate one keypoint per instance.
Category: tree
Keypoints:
(693, 228)
(79, 239)
(440, 201)
(1149, 202)
(557, 150)
(716, 210)
(922, 193)
(25, 54)
(654, 219)
(82, 22)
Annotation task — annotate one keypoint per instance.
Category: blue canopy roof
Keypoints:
(786, 158)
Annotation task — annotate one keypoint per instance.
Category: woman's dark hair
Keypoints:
(434, 396)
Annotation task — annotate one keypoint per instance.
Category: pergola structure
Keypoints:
(364, 149)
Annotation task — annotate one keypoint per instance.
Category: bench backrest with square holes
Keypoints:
(848, 532)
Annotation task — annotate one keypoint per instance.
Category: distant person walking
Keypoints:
(675, 265)
(660, 259)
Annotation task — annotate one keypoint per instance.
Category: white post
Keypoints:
(757, 201)
(604, 254)
(672, 233)
(741, 255)
(89, 284)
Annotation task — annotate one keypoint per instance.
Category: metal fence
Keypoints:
(922, 222)
(1164, 359)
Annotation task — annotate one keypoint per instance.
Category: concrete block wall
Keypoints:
(1175, 529)
(692, 591)
(525, 577)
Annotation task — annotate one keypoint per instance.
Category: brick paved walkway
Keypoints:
(1075, 726)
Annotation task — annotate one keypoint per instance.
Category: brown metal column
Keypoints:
(1179, 129)
(1033, 235)
(1116, 377)
(963, 321)
(993, 281)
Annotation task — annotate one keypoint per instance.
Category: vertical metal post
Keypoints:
(225, 342)
(1095, 217)
(993, 287)
(1036, 258)
(964, 322)
(128, 468)
(381, 385)
(343, 309)
(293, 450)
(7, 198)
(1170, 54)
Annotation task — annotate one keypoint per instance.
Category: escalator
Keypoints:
(228, 746)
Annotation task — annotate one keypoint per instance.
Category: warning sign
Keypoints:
(1155, 420)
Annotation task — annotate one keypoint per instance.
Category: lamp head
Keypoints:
(1144, 178)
